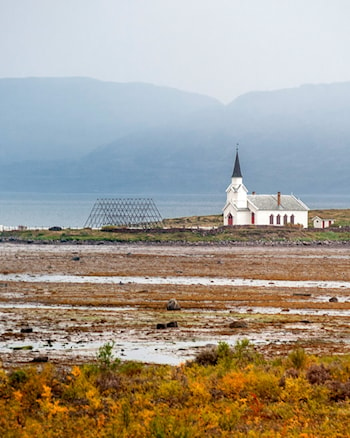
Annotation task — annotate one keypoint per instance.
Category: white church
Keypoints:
(244, 209)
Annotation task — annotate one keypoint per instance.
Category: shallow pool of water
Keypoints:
(204, 281)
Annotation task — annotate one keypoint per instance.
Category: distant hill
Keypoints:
(79, 134)
(50, 118)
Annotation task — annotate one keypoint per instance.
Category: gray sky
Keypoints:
(222, 48)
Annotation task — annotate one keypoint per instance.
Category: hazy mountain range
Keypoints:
(84, 135)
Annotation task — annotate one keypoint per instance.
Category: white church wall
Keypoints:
(264, 218)
(243, 218)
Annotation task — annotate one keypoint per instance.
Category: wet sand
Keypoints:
(62, 302)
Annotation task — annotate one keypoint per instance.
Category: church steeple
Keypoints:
(236, 191)
(237, 168)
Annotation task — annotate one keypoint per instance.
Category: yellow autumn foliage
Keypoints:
(240, 399)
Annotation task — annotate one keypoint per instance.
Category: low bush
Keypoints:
(233, 393)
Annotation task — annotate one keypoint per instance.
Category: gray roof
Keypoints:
(269, 202)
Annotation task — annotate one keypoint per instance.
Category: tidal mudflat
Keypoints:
(61, 302)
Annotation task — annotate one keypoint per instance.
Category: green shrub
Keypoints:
(105, 358)
(298, 358)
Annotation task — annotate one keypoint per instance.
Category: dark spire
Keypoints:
(237, 168)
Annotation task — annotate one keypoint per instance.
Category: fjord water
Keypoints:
(72, 209)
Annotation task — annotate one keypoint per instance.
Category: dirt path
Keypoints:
(67, 322)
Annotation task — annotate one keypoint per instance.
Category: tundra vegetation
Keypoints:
(225, 391)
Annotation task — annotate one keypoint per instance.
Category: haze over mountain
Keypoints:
(79, 134)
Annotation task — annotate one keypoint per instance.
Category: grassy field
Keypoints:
(206, 229)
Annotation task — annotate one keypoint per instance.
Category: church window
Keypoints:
(285, 219)
(253, 218)
(271, 219)
(278, 219)
(292, 219)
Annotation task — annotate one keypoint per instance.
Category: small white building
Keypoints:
(244, 209)
(322, 223)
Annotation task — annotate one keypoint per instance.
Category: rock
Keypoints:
(173, 305)
(76, 258)
(26, 330)
(333, 300)
(300, 294)
(40, 359)
(171, 324)
(238, 324)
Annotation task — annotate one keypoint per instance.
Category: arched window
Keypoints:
(292, 219)
(278, 219)
(285, 219)
(271, 219)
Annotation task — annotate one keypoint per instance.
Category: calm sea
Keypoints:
(72, 210)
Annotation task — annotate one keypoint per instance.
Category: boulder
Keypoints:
(173, 305)
(172, 324)
(40, 359)
(238, 324)
(333, 300)
(26, 330)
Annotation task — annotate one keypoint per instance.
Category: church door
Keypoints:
(253, 218)
(230, 219)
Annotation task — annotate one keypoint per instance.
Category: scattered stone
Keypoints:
(171, 324)
(76, 258)
(285, 310)
(298, 294)
(238, 324)
(40, 359)
(173, 305)
(333, 300)
(26, 330)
